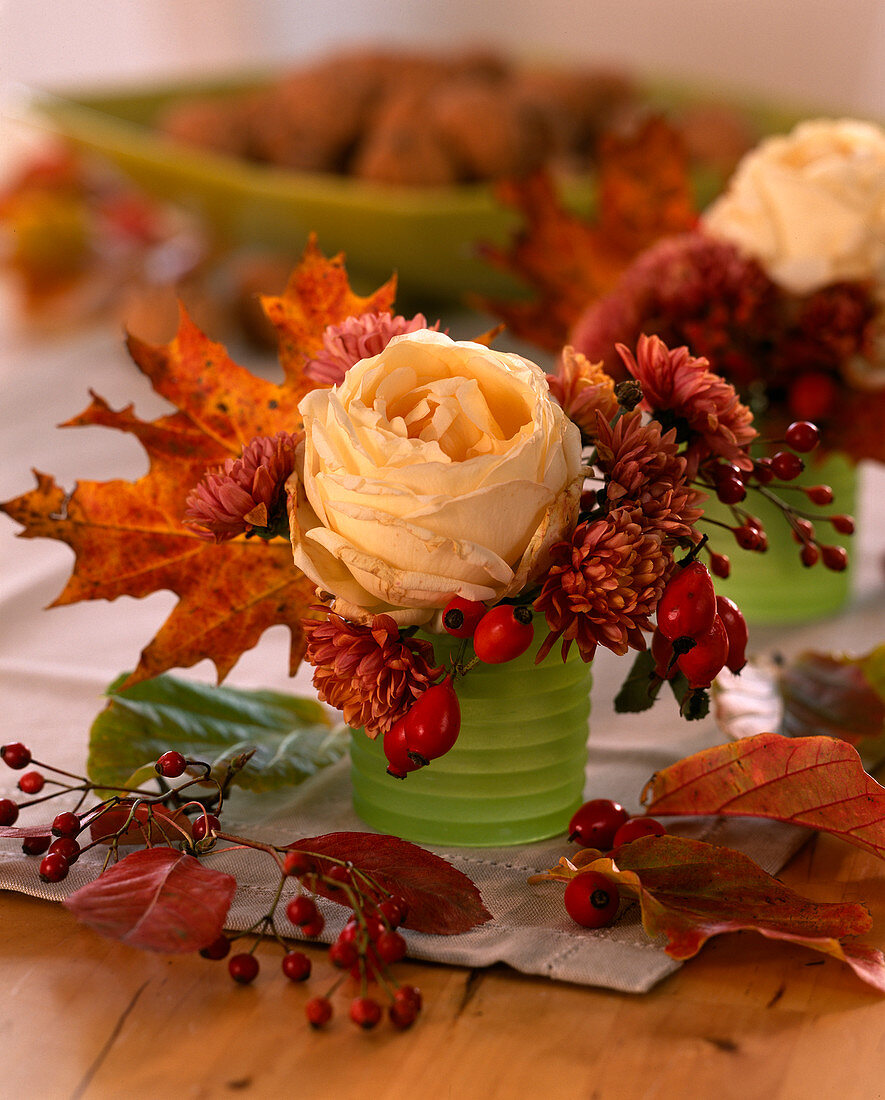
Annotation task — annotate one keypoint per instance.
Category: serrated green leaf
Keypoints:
(640, 689)
(289, 737)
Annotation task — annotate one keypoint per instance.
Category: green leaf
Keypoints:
(640, 689)
(292, 737)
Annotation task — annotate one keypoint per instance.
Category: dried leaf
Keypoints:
(810, 781)
(569, 260)
(157, 899)
(441, 899)
(128, 537)
(838, 696)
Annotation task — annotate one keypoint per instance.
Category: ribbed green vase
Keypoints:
(774, 587)
(516, 773)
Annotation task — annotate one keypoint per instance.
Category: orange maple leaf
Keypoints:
(644, 193)
(128, 537)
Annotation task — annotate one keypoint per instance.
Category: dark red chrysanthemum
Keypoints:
(681, 390)
(355, 339)
(604, 585)
(370, 673)
(246, 493)
(643, 471)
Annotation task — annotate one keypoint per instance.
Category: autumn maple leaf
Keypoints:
(128, 537)
(568, 260)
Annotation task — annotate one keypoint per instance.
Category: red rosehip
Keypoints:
(460, 617)
(31, 783)
(35, 845)
(365, 1012)
(736, 629)
(591, 900)
(399, 763)
(318, 1011)
(819, 494)
(835, 558)
(503, 634)
(343, 954)
(296, 966)
(314, 927)
(750, 538)
(687, 606)
(843, 524)
(809, 555)
(391, 947)
(720, 566)
(204, 825)
(595, 823)
(393, 910)
(68, 847)
(16, 755)
(53, 867)
(802, 436)
(66, 824)
(787, 466)
(218, 949)
(297, 864)
(433, 722)
(638, 827)
(409, 995)
(243, 968)
(402, 1016)
(706, 659)
(301, 909)
(8, 811)
(171, 764)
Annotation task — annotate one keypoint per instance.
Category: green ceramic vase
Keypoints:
(774, 587)
(516, 773)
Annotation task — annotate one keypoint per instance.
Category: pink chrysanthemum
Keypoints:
(582, 389)
(604, 585)
(370, 673)
(643, 470)
(682, 391)
(694, 290)
(246, 493)
(355, 339)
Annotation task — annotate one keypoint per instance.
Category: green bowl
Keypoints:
(429, 236)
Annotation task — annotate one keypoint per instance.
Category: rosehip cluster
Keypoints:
(731, 485)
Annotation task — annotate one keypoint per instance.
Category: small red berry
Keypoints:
(706, 659)
(460, 617)
(433, 722)
(750, 538)
(503, 634)
(66, 824)
(318, 1011)
(204, 825)
(217, 949)
(803, 529)
(365, 1012)
(243, 968)
(802, 436)
(399, 763)
(402, 1016)
(730, 489)
(637, 827)
(343, 954)
(591, 900)
(393, 910)
(409, 994)
(819, 494)
(171, 764)
(339, 875)
(297, 864)
(296, 966)
(315, 926)
(720, 566)
(8, 811)
(68, 847)
(31, 783)
(35, 845)
(391, 947)
(16, 755)
(762, 471)
(687, 606)
(843, 524)
(595, 823)
(809, 555)
(736, 629)
(787, 466)
(53, 867)
(835, 558)
(301, 909)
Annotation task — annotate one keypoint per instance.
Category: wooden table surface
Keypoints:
(748, 1018)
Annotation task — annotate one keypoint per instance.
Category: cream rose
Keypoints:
(810, 206)
(436, 468)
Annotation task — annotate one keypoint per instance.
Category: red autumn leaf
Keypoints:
(157, 899)
(568, 260)
(128, 537)
(441, 899)
(811, 781)
(836, 696)
(165, 826)
(18, 832)
(689, 891)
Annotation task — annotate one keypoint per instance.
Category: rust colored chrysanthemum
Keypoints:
(582, 389)
(246, 493)
(358, 338)
(643, 470)
(604, 585)
(682, 391)
(370, 673)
